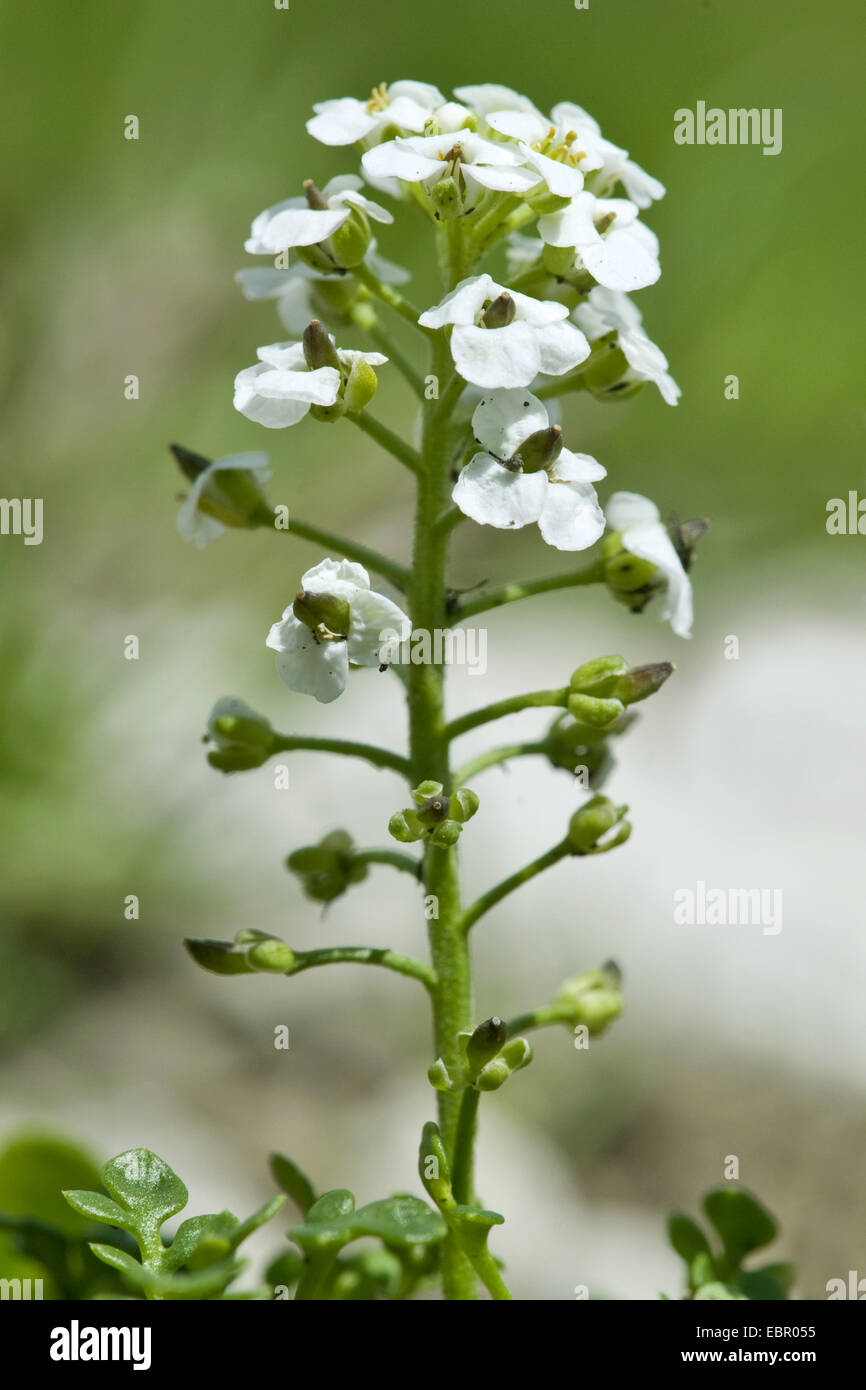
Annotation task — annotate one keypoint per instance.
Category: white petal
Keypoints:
(538, 312)
(490, 96)
(500, 179)
(463, 302)
(492, 357)
(378, 214)
(336, 576)
(396, 159)
(572, 518)
(621, 260)
(423, 94)
(301, 227)
(505, 419)
(194, 525)
(319, 387)
(452, 116)
(314, 668)
(342, 183)
(629, 509)
(263, 282)
(349, 355)
(494, 496)
(528, 126)
(571, 226)
(571, 117)
(640, 186)
(340, 122)
(564, 180)
(295, 305)
(289, 356)
(651, 542)
(561, 347)
(577, 468)
(372, 615)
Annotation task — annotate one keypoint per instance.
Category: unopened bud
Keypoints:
(319, 351)
(594, 711)
(500, 312)
(447, 200)
(591, 998)
(243, 738)
(540, 450)
(484, 1043)
(232, 496)
(361, 386)
(274, 956)
(593, 820)
(463, 805)
(350, 242)
(323, 611)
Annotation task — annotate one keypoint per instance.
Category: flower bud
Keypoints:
(243, 738)
(350, 242)
(446, 834)
(596, 712)
(597, 677)
(483, 1044)
(405, 827)
(447, 200)
(463, 805)
(424, 790)
(540, 450)
(272, 955)
(592, 998)
(327, 869)
(439, 1077)
(319, 351)
(323, 613)
(435, 809)
(593, 820)
(515, 1054)
(438, 1182)
(631, 580)
(231, 495)
(571, 746)
(500, 312)
(361, 386)
(557, 260)
(685, 536)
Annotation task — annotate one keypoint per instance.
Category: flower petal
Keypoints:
(496, 357)
(311, 667)
(650, 541)
(341, 121)
(494, 496)
(372, 615)
(462, 303)
(397, 159)
(629, 509)
(300, 227)
(505, 419)
(327, 575)
(572, 518)
(561, 347)
(577, 468)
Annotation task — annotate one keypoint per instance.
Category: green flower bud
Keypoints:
(447, 200)
(569, 745)
(438, 1076)
(596, 712)
(463, 805)
(319, 351)
(361, 386)
(483, 1044)
(631, 580)
(327, 869)
(328, 615)
(243, 738)
(557, 260)
(425, 790)
(435, 809)
(685, 536)
(318, 258)
(500, 312)
(593, 820)
(231, 495)
(540, 451)
(591, 998)
(405, 827)
(642, 681)
(335, 297)
(350, 242)
(446, 834)
(435, 1174)
(272, 955)
(597, 677)
(515, 1054)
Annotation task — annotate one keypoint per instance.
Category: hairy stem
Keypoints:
(365, 955)
(508, 885)
(512, 704)
(379, 757)
(512, 593)
(391, 442)
(349, 550)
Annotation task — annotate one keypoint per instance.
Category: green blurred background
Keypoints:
(118, 258)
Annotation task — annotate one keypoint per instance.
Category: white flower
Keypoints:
(607, 310)
(345, 120)
(426, 159)
(645, 535)
(294, 223)
(207, 509)
(280, 388)
(494, 490)
(317, 662)
(617, 250)
(490, 96)
(538, 338)
(295, 289)
(613, 164)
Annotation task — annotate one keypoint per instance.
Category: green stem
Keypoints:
(388, 440)
(495, 756)
(379, 757)
(462, 1182)
(508, 885)
(512, 593)
(395, 857)
(397, 356)
(562, 386)
(388, 295)
(350, 550)
(542, 1017)
(512, 704)
(365, 955)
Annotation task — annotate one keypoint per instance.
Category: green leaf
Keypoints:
(188, 1238)
(258, 1218)
(285, 1270)
(117, 1259)
(472, 1226)
(686, 1237)
(34, 1170)
(769, 1284)
(220, 957)
(292, 1180)
(100, 1208)
(142, 1182)
(400, 1220)
(205, 1284)
(743, 1223)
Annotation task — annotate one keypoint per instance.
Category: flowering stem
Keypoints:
(508, 885)
(388, 295)
(462, 1167)
(512, 593)
(496, 756)
(350, 550)
(379, 757)
(394, 857)
(389, 441)
(512, 704)
(543, 1017)
(365, 955)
